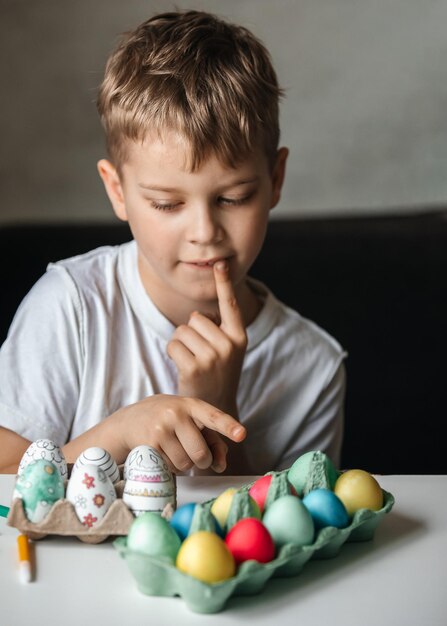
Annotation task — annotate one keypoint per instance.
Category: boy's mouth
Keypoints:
(205, 263)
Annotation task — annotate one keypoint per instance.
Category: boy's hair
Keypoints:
(191, 72)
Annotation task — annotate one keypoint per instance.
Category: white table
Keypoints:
(398, 579)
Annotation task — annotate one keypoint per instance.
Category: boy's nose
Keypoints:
(204, 226)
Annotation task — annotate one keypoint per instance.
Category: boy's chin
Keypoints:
(202, 297)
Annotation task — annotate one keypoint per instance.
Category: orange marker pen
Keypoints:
(24, 559)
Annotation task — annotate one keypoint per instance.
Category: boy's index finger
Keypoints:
(206, 415)
(230, 313)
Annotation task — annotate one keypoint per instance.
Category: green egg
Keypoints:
(312, 470)
(40, 486)
(288, 521)
(151, 534)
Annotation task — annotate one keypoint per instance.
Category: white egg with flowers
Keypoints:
(91, 492)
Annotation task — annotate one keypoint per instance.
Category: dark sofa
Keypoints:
(378, 284)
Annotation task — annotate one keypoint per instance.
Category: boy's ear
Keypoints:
(113, 186)
(278, 174)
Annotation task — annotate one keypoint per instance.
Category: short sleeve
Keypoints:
(41, 360)
(323, 429)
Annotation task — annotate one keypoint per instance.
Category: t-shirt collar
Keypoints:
(151, 317)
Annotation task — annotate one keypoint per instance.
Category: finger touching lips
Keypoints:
(228, 306)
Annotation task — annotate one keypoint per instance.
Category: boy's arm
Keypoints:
(171, 424)
(174, 425)
(13, 447)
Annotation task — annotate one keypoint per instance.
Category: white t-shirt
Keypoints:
(87, 340)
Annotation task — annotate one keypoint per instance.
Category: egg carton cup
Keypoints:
(62, 519)
(159, 577)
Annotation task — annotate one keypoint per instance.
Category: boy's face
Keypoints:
(184, 221)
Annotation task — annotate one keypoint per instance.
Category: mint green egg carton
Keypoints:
(158, 577)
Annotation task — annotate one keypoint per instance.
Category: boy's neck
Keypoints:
(249, 303)
(179, 312)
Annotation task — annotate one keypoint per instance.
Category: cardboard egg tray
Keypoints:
(156, 577)
(62, 519)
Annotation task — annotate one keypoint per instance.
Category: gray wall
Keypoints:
(365, 116)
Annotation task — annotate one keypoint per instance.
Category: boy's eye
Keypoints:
(235, 201)
(163, 206)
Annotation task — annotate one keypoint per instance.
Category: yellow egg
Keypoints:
(357, 489)
(205, 556)
(222, 504)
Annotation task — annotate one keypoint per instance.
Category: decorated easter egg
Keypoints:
(142, 459)
(326, 509)
(206, 556)
(40, 485)
(249, 539)
(358, 489)
(152, 534)
(288, 521)
(312, 470)
(48, 451)
(149, 484)
(91, 493)
(101, 458)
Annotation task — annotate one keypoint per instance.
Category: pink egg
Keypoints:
(258, 491)
(260, 488)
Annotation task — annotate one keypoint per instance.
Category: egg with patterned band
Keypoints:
(91, 493)
(48, 451)
(149, 485)
(101, 458)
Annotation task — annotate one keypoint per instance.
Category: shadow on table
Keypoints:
(394, 534)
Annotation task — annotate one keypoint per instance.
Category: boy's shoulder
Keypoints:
(93, 277)
(99, 264)
(104, 255)
(289, 330)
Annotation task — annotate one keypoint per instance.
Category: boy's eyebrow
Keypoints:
(237, 183)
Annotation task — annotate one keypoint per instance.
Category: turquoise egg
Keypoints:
(288, 521)
(40, 486)
(326, 509)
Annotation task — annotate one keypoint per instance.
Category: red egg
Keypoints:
(249, 540)
(258, 491)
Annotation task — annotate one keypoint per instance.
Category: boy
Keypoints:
(165, 340)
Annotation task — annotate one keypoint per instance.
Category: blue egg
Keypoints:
(182, 518)
(326, 509)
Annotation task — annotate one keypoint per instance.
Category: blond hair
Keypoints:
(191, 72)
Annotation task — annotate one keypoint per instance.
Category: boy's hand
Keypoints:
(185, 430)
(209, 356)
